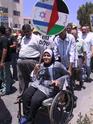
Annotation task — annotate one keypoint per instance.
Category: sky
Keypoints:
(73, 6)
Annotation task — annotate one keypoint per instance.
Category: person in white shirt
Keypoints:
(79, 58)
(29, 55)
(91, 33)
(64, 51)
(88, 49)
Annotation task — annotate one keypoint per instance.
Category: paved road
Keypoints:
(8, 102)
(84, 104)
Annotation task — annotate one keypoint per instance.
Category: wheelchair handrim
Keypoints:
(51, 114)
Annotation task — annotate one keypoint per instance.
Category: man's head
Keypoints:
(26, 29)
(84, 30)
(69, 28)
(74, 32)
(8, 31)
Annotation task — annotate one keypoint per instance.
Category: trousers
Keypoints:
(32, 100)
(24, 69)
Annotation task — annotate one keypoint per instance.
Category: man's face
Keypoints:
(84, 30)
(8, 32)
(27, 33)
(69, 28)
(74, 33)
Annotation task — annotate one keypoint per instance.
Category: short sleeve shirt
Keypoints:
(4, 44)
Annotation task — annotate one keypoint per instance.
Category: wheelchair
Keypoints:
(59, 107)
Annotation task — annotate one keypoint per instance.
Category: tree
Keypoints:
(83, 13)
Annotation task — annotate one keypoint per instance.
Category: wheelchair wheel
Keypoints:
(61, 108)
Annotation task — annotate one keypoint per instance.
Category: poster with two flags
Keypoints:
(50, 17)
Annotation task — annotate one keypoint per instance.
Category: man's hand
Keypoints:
(55, 82)
(36, 69)
(70, 72)
(70, 68)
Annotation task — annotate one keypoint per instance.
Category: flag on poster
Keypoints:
(50, 16)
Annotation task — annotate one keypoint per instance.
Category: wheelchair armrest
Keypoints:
(47, 102)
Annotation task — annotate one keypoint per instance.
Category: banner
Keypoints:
(50, 17)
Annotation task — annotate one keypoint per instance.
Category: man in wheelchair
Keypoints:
(49, 72)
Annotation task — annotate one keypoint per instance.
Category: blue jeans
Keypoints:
(6, 77)
(88, 67)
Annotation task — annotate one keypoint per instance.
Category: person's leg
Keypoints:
(0, 84)
(71, 88)
(88, 71)
(88, 68)
(26, 97)
(72, 79)
(25, 68)
(20, 75)
(92, 64)
(80, 71)
(28, 68)
(1, 78)
(23, 76)
(36, 102)
(14, 65)
(8, 77)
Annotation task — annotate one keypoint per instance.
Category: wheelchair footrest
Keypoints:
(47, 102)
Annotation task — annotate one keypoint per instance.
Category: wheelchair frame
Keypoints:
(62, 103)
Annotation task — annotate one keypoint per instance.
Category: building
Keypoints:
(11, 12)
(27, 20)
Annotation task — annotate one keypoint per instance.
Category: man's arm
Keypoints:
(55, 50)
(13, 45)
(92, 50)
(14, 41)
(72, 54)
(4, 53)
(92, 46)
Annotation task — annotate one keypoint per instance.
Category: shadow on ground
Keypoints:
(13, 90)
(5, 116)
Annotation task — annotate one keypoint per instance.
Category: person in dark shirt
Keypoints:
(5, 73)
(13, 43)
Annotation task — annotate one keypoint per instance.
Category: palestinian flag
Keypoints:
(50, 16)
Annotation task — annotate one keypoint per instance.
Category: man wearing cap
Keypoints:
(29, 55)
(64, 51)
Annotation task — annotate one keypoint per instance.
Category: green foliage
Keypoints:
(83, 120)
(83, 13)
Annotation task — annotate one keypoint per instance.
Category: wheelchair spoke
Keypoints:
(61, 108)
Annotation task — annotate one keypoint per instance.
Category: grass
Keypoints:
(84, 119)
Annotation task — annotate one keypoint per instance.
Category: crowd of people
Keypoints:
(36, 61)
